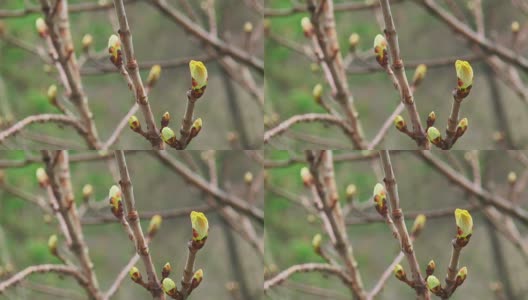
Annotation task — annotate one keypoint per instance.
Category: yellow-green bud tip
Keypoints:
(87, 40)
(351, 190)
(248, 177)
(316, 241)
(87, 190)
(433, 134)
(168, 285)
(248, 27)
(512, 177)
(432, 282)
(515, 26)
(155, 223)
(52, 93)
(52, 243)
(134, 273)
(167, 134)
(317, 92)
(353, 40)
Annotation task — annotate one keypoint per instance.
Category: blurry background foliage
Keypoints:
(155, 38)
(290, 77)
(290, 228)
(24, 230)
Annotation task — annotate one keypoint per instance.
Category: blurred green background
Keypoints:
(290, 228)
(225, 258)
(290, 77)
(155, 38)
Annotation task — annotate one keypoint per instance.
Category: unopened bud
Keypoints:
(380, 50)
(431, 119)
(512, 177)
(316, 243)
(169, 287)
(165, 119)
(307, 26)
(351, 190)
(306, 176)
(419, 224)
(462, 127)
(87, 41)
(461, 275)
(42, 177)
(134, 124)
(515, 27)
(400, 124)
(135, 275)
(52, 94)
(248, 27)
(87, 190)
(167, 269)
(419, 74)
(353, 40)
(399, 272)
(168, 135)
(196, 127)
(434, 135)
(431, 266)
(248, 178)
(155, 224)
(154, 75)
(52, 244)
(41, 26)
(317, 92)
(380, 198)
(433, 284)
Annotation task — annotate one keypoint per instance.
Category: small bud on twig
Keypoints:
(515, 27)
(42, 177)
(165, 119)
(168, 135)
(461, 127)
(114, 48)
(87, 191)
(464, 223)
(154, 75)
(52, 94)
(167, 269)
(307, 26)
(512, 177)
(198, 77)
(419, 74)
(419, 224)
(461, 276)
(196, 127)
(399, 272)
(52, 244)
(306, 176)
(248, 27)
(155, 224)
(115, 201)
(248, 178)
(434, 135)
(200, 229)
(431, 266)
(433, 284)
(197, 279)
(316, 243)
(317, 93)
(431, 119)
(135, 275)
(464, 73)
(87, 42)
(353, 41)
(41, 26)
(134, 124)
(351, 191)
(380, 49)
(400, 124)
(169, 287)
(380, 199)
